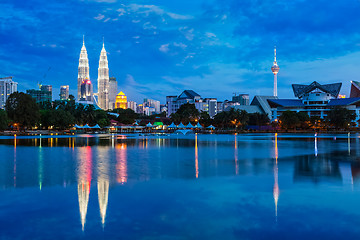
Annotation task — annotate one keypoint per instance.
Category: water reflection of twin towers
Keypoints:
(102, 169)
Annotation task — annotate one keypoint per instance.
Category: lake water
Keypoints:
(252, 186)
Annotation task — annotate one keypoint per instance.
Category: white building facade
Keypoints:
(7, 87)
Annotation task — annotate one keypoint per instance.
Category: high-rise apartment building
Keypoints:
(132, 105)
(7, 87)
(152, 104)
(64, 92)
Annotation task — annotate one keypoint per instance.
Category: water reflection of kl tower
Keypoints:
(103, 182)
(84, 180)
(276, 186)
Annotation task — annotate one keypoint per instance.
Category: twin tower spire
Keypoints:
(85, 87)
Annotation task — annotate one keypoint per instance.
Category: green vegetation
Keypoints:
(4, 121)
(340, 117)
(22, 110)
(186, 113)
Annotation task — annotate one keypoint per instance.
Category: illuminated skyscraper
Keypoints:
(121, 101)
(64, 92)
(275, 69)
(113, 89)
(103, 80)
(86, 91)
(83, 70)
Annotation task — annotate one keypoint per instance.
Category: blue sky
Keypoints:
(159, 48)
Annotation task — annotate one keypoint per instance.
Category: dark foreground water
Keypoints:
(262, 186)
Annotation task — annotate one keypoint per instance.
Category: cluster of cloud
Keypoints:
(209, 46)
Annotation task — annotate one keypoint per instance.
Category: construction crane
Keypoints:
(40, 83)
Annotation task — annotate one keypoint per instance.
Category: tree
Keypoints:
(258, 119)
(126, 116)
(22, 109)
(340, 117)
(188, 113)
(289, 119)
(233, 118)
(205, 119)
(4, 121)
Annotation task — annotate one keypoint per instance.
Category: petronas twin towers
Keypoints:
(85, 88)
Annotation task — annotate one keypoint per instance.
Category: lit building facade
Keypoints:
(173, 103)
(83, 70)
(121, 101)
(103, 80)
(132, 105)
(113, 90)
(316, 100)
(242, 99)
(150, 103)
(64, 92)
(86, 91)
(7, 87)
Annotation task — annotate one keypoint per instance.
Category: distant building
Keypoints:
(140, 109)
(150, 103)
(113, 90)
(7, 87)
(259, 104)
(83, 70)
(211, 106)
(316, 100)
(208, 105)
(64, 92)
(170, 104)
(242, 99)
(103, 80)
(44, 94)
(355, 89)
(86, 91)
(132, 105)
(219, 107)
(121, 101)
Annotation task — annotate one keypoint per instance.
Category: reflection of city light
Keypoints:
(316, 147)
(196, 157)
(236, 156)
(276, 185)
(41, 168)
(103, 182)
(84, 181)
(349, 143)
(121, 163)
(15, 161)
(276, 149)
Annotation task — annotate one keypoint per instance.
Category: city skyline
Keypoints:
(162, 49)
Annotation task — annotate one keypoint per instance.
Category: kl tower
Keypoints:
(275, 69)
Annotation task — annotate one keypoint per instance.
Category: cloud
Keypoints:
(99, 17)
(164, 48)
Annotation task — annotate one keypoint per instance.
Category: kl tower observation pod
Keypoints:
(275, 69)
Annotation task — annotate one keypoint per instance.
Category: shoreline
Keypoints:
(68, 132)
